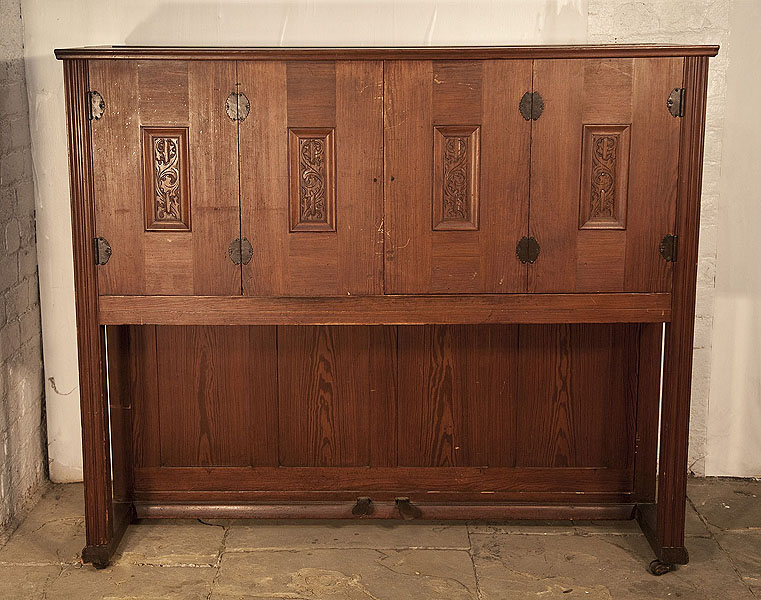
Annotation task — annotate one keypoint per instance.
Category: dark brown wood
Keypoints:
(120, 393)
(433, 110)
(384, 510)
(386, 310)
(432, 480)
(648, 411)
(100, 554)
(323, 392)
(457, 395)
(217, 389)
(647, 517)
(335, 249)
(603, 119)
(166, 97)
(102, 528)
(677, 367)
(383, 339)
(410, 53)
(577, 396)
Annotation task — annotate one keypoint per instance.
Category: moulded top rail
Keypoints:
(380, 53)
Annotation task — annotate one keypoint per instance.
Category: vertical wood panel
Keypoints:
(100, 517)
(120, 394)
(648, 411)
(577, 390)
(479, 255)
(166, 94)
(216, 390)
(347, 96)
(654, 176)
(677, 367)
(383, 395)
(456, 395)
(324, 394)
(146, 432)
(609, 94)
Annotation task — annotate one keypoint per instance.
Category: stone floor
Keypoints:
(372, 560)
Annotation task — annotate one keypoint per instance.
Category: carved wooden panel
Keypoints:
(166, 178)
(311, 154)
(456, 156)
(604, 177)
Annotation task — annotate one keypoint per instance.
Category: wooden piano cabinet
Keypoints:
(437, 283)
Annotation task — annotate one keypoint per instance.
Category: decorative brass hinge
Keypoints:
(668, 248)
(675, 102)
(102, 250)
(240, 251)
(237, 107)
(96, 105)
(363, 507)
(527, 250)
(531, 106)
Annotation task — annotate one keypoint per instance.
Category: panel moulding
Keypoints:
(311, 160)
(456, 156)
(166, 178)
(604, 177)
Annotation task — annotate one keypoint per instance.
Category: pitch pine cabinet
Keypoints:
(427, 283)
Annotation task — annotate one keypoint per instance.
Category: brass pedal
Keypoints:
(408, 510)
(363, 507)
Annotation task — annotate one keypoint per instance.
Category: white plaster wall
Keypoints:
(686, 22)
(65, 23)
(734, 414)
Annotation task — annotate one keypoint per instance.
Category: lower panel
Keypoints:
(484, 414)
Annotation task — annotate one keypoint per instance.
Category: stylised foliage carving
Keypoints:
(603, 198)
(312, 163)
(456, 174)
(605, 168)
(456, 205)
(165, 169)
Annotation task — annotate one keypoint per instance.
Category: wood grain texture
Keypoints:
(323, 396)
(677, 368)
(456, 395)
(99, 507)
(386, 310)
(342, 95)
(146, 440)
(120, 394)
(419, 97)
(474, 498)
(648, 411)
(166, 95)
(611, 93)
(478, 386)
(577, 391)
(528, 483)
(410, 53)
(216, 395)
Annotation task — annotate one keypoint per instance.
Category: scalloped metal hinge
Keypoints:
(102, 250)
(531, 106)
(527, 250)
(240, 251)
(668, 248)
(675, 102)
(237, 106)
(96, 105)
